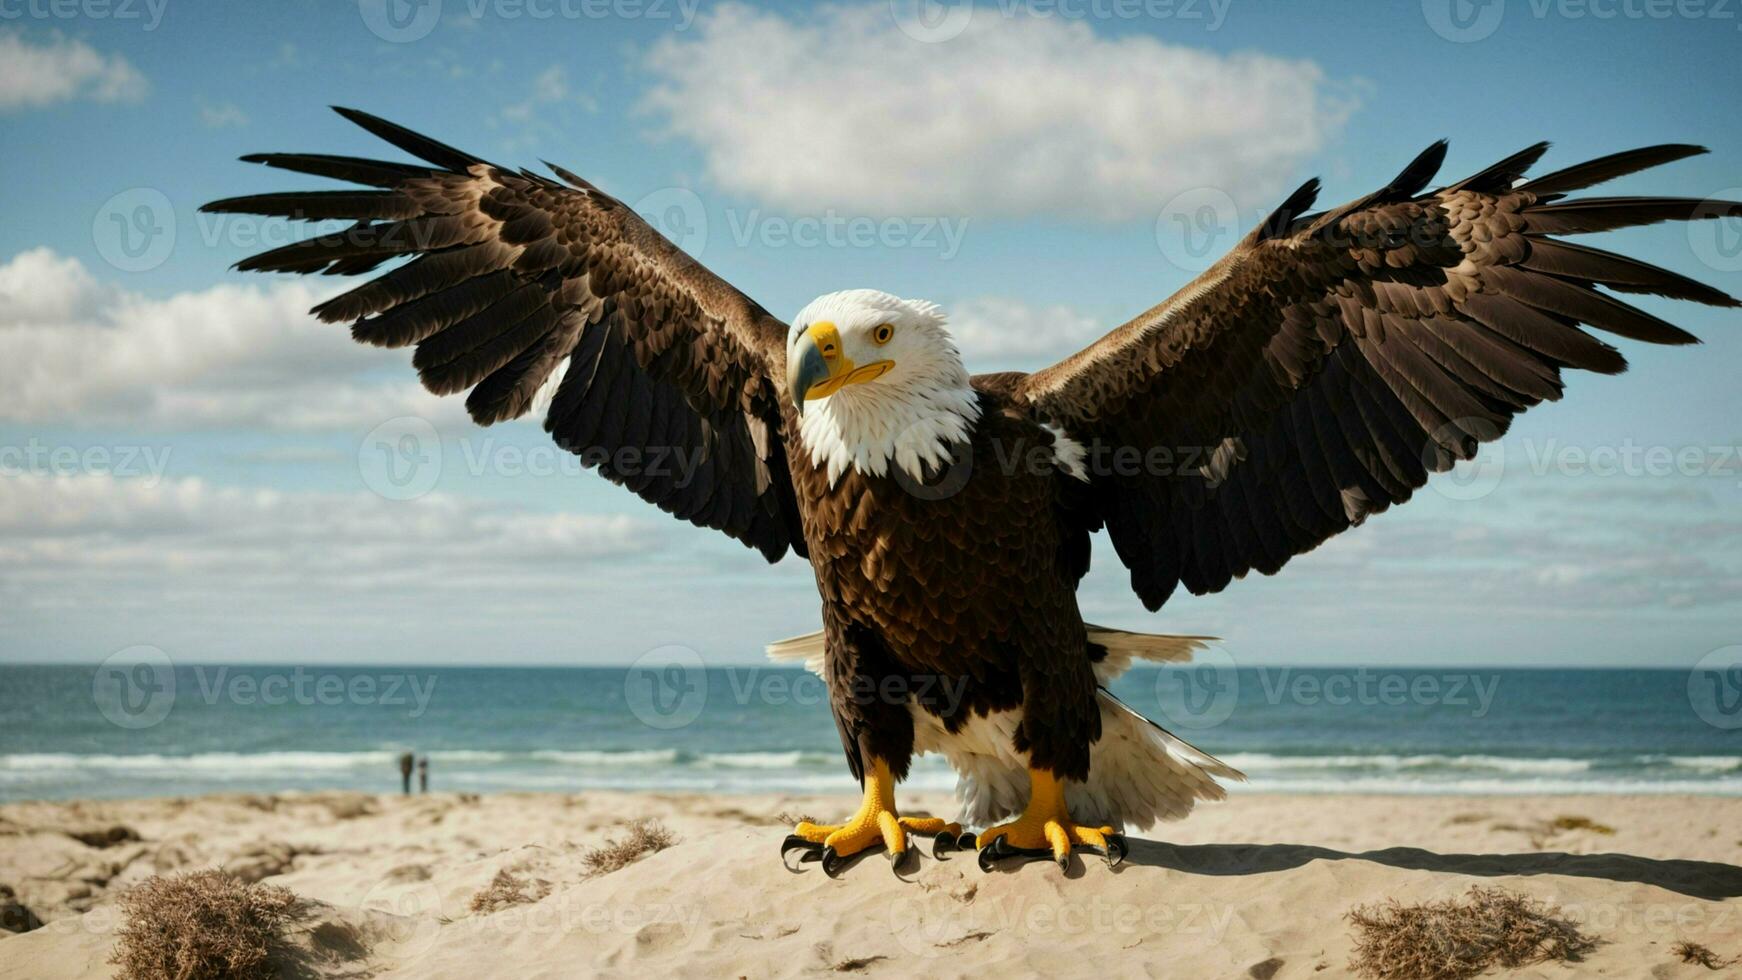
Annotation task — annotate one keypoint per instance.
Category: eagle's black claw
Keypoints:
(1117, 848)
(1000, 848)
(834, 864)
(900, 861)
(988, 857)
(968, 842)
(942, 844)
(807, 851)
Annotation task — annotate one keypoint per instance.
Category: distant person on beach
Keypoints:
(405, 759)
(423, 775)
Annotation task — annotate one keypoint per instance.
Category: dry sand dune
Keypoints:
(391, 883)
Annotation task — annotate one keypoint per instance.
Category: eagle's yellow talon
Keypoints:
(931, 825)
(1046, 825)
(1089, 836)
(875, 822)
(894, 837)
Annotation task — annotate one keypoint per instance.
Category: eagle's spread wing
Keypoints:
(1320, 371)
(512, 277)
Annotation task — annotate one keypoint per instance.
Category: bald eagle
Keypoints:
(1315, 375)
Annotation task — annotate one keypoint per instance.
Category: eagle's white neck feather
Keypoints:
(913, 423)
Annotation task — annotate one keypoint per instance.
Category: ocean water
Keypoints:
(145, 729)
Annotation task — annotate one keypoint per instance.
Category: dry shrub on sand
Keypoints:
(1692, 952)
(199, 925)
(1566, 823)
(1460, 937)
(644, 837)
(506, 889)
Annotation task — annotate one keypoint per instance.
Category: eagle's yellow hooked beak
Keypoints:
(818, 366)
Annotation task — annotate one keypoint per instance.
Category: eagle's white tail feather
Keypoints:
(1139, 773)
(807, 647)
(1124, 646)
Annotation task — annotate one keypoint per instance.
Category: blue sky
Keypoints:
(188, 463)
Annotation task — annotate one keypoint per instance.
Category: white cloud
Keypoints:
(100, 525)
(222, 115)
(39, 286)
(90, 564)
(82, 353)
(231, 573)
(1017, 115)
(61, 70)
(996, 333)
(550, 87)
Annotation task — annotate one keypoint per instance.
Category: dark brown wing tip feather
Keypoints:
(567, 176)
(1297, 204)
(1609, 167)
(424, 148)
(1412, 178)
(1498, 177)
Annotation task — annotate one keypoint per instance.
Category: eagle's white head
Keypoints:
(876, 379)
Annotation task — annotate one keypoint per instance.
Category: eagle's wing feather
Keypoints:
(667, 371)
(1325, 367)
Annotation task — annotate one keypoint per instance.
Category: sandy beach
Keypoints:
(1256, 887)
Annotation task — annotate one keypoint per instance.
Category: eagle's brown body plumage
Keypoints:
(950, 578)
(1316, 375)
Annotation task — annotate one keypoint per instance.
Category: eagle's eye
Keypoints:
(883, 333)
